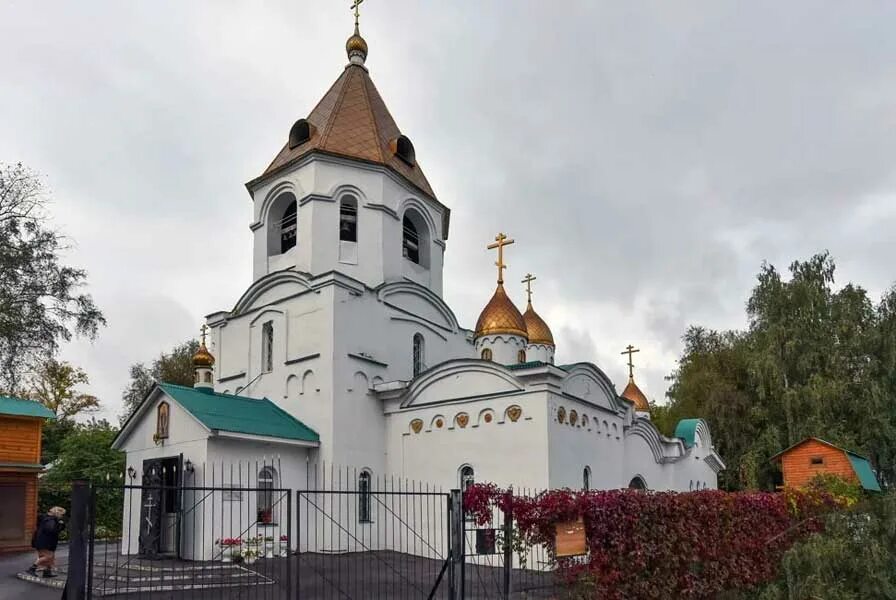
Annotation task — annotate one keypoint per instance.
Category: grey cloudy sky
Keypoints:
(646, 156)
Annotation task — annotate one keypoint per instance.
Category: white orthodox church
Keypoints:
(343, 351)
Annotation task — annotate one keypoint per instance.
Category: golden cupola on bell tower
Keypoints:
(541, 340)
(632, 391)
(501, 330)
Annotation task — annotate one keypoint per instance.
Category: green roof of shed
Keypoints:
(863, 471)
(239, 414)
(24, 408)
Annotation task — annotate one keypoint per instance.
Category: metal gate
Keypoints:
(360, 537)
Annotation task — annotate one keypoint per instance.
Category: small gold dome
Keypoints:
(537, 330)
(500, 315)
(203, 358)
(356, 45)
(634, 393)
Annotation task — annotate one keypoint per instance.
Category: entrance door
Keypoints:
(151, 508)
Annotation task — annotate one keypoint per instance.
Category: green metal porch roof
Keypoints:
(24, 408)
(239, 414)
(686, 430)
(863, 471)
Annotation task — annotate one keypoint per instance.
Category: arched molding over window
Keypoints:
(419, 354)
(586, 478)
(415, 237)
(267, 481)
(486, 354)
(282, 224)
(348, 218)
(163, 419)
(637, 483)
(365, 514)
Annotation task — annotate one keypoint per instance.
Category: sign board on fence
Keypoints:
(569, 538)
(485, 541)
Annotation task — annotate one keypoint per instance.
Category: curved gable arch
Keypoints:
(597, 389)
(292, 281)
(345, 189)
(391, 294)
(461, 378)
(648, 432)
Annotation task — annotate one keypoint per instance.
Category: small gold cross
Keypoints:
(500, 241)
(528, 279)
(631, 366)
(203, 332)
(355, 5)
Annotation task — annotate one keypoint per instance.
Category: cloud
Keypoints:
(645, 156)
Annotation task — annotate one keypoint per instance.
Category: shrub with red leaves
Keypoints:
(663, 544)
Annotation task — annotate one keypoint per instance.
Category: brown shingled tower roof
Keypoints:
(352, 121)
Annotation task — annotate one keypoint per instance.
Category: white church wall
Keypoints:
(584, 435)
(505, 348)
(640, 462)
(503, 439)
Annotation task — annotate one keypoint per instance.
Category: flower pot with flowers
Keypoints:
(250, 554)
(230, 547)
(269, 546)
(284, 546)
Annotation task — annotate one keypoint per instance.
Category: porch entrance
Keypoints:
(160, 499)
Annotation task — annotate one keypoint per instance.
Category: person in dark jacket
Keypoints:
(45, 540)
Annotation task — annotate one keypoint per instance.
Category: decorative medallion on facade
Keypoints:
(488, 417)
(561, 415)
(462, 419)
(514, 413)
(573, 418)
(417, 425)
(439, 423)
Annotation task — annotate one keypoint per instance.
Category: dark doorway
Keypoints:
(159, 507)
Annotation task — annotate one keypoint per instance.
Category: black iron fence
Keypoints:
(346, 535)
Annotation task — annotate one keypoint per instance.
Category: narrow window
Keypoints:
(586, 479)
(467, 477)
(521, 356)
(410, 241)
(817, 460)
(419, 365)
(265, 495)
(288, 228)
(486, 354)
(267, 347)
(207, 377)
(364, 513)
(348, 220)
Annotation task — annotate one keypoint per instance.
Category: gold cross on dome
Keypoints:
(631, 366)
(528, 279)
(203, 332)
(500, 241)
(355, 5)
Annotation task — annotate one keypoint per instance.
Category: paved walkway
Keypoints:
(12, 588)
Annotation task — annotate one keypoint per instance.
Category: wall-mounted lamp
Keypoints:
(188, 466)
(132, 473)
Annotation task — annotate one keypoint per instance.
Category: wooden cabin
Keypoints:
(21, 425)
(813, 456)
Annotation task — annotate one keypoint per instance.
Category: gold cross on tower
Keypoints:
(500, 241)
(631, 366)
(203, 332)
(355, 5)
(528, 279)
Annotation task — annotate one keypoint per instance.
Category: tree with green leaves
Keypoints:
(41, 299)
(172, 367)
(814, 361)
(55, 385)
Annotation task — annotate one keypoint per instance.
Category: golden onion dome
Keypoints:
(356, 45)
(634, 393)
(500, 315)
(203, 358)
(537, 330)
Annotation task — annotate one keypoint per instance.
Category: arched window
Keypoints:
(207, 377)
(419, 348)
(486, 354)
(299, 133)
(364, 513)
(521, 356)
(162, 419)
(410, 243)
(267, 347)
(691, 486)
(637, 483)
(404, 150)
(267, 481)
(467, 477)
(586, 478)
(288, 228)
(348, 219)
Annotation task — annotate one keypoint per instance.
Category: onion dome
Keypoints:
(500, 315)
(633, 392)
(537, 330)
(203, 358)
(356, 46)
